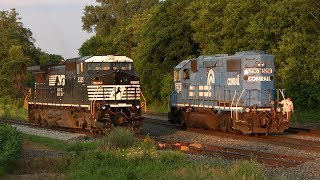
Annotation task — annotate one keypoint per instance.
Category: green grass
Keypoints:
(10, 108)
(157, 165)
(118, 138)
(10, 146)
(61, 145)
(142, 161)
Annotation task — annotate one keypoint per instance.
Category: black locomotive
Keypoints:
(94, 93)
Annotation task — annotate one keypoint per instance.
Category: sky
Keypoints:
(56, 24)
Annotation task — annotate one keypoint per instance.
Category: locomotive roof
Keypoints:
(108, 58)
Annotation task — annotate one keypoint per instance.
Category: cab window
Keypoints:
(234, 65)
(186, 74)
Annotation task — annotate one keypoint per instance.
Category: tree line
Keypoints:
(160, 34)
(17, 51)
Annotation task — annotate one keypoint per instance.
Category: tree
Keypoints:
(17, 51)
(165, 40)
(15, 44)
(101, 18)
(289, 29)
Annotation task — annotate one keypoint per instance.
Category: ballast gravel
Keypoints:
(309, 170)
(47, 133)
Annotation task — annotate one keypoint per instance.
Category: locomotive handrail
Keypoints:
(94, 101)
(144, 103)
(237, 104)
(26, 99)
(235, 92)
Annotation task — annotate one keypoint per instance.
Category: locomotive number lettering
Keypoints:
(80, 80)
(134, 82)
(266, 71)
(178, 87)
(251, 71)
(259, 78)
(233, 81)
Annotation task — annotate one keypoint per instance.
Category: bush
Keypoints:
(10, 146)
(118, 138)
(10, 108)
(148, 144)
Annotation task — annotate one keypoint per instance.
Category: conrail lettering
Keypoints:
(233, 81)
(259, 78)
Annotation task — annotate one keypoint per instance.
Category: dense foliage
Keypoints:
(10, 146)
(17, 50)
(160, 34)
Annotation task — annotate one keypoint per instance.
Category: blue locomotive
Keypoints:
(227, 92)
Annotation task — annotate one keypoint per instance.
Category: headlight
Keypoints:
(247, 110)
(261, 64)
(137, 106)
(104, 107)
(278, 109)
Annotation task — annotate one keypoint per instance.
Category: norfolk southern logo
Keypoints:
(117, 92)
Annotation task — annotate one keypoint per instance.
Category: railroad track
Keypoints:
(295, 130)
(161, 123)
(275, 139)
(269, 159)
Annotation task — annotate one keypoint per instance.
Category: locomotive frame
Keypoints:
(94, 93)
(227, 92)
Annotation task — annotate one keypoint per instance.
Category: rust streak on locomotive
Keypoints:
(94, 93)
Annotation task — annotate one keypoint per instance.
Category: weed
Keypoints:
(148, 144)
(10, 146)
(118, 138)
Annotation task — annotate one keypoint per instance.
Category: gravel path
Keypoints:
(47, 133)
(308, 170)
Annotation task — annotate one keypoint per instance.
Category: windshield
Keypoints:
(105, 66)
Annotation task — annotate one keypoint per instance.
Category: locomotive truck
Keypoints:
(228, 92)
(94, 93)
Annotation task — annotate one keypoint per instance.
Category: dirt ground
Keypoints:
(37, 162)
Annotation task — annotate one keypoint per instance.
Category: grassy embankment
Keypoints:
(10, 146)
(120, 155)
(12, 109)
